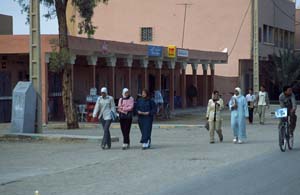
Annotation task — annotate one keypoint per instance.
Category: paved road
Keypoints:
(178, 155)
(274, 173)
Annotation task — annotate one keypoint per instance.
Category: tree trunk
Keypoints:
(67, 91)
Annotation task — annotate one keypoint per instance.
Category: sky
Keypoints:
(12, 8)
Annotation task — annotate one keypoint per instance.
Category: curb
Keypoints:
(53, 138)
(161, 126)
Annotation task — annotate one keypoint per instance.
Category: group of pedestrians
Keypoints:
(241, 108)
(244, 107)
(106, 111)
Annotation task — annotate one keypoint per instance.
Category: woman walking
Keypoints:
(250, 97)
(213, 115)
(239, 113)
(125, 108)
(145, 110)
(106, 105)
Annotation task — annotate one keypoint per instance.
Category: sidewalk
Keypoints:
(90, 132)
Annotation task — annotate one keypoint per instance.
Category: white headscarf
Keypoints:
(239, 90)
(125, 90)
(104, 90)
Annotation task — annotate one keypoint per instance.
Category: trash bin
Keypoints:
(23, 108)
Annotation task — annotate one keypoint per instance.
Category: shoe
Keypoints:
(240, 141)
(103, 147)
(144, 146)
(235, 140)
(124, 146)
(221, 137)
(212, 142)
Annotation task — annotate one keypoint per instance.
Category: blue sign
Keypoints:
(154, 51)
(281, 113)
(182, 53)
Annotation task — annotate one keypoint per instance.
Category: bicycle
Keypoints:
(285, 139)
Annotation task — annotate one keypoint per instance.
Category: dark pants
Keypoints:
(106, 137)
(292, 122)
(125, 127)
(250, 114)
(145, 124)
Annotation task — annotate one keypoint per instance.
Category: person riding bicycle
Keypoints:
(287, 100)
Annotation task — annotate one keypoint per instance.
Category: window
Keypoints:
(265, 31)
(276, 37)
(281, 38)
(146, 34)
(292, 40)
(271, 33)
(286, 38)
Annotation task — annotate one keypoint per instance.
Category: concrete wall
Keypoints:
(274, 15)
(297, 31)
(6, 23)
(205, 27)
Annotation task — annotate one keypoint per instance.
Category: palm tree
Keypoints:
(286, 69)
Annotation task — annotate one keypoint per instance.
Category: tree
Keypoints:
(58, 8)
(286, 68)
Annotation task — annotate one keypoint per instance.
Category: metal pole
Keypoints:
(35, 59)
(184, 20)
(255, 49)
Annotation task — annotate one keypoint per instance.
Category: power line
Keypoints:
(286, 14)
(238, 34)
(184, 20)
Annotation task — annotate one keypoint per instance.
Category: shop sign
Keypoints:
(154, 51)
(171, 51)
(182, 53)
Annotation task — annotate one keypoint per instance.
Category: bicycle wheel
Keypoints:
(282, 140)
(290, 141)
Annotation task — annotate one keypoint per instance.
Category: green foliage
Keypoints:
(286, 68)
(58, 57)
(85, 9)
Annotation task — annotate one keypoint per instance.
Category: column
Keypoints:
(92, 60)
(172, 73)
(205, 87)
(212, 77)
(145, 63)
(158, 66)
(44, 78)
(195, 82)
(128, 62)
(183, 84)
(111, 62)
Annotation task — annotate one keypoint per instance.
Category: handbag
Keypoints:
(207, 125)
(113, 116)
(126, 116)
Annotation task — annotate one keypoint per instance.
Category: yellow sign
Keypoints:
(171, 51)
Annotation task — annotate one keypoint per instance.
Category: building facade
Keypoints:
(96, 63)
(6, 23)
(202, 25)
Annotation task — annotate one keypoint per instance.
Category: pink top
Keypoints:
(125, 105)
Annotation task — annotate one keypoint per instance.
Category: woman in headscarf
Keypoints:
(125, 108)
(106, 105)
(239, 112)
(213, 115)
(145, 110)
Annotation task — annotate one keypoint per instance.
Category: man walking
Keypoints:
(250, 100)
(262, 103)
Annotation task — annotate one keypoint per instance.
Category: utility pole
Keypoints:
(255, 48)
(35, 59)
(184, 20)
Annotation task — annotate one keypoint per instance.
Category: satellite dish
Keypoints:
(225, 50)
